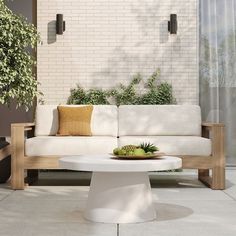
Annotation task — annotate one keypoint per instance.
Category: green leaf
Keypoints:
(156, 93)
(17, 79)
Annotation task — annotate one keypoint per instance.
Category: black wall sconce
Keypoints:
(173, 24)
(60, 24)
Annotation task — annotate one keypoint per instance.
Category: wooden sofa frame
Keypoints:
(20, 162)
(5, 152)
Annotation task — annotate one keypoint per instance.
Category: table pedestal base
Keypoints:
(120, 197)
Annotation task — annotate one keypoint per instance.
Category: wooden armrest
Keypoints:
(210, 125)
(23, 124)
(26, 126)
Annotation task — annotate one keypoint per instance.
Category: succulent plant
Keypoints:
(148, 147)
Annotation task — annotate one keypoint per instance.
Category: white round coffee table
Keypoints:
(120, 190)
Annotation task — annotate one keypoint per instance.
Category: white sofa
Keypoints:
(175, 129)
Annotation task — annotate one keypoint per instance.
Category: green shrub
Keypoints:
(156, 93)
(126, 95)
(17, 79)
(161, 94)
(92, 96)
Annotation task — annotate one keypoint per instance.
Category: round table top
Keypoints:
(107, 163)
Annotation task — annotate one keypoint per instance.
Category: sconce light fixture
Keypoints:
(60, 24)
(172, 24)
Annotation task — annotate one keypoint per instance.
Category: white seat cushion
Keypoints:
(173, 145)
(159, 120)
(59, 146)
(104, 120)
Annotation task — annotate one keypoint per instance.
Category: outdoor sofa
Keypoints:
(176, 129)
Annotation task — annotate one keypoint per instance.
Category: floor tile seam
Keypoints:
(233, 198)
(192, 200)
(203, 200)
(182, 188)
(7, 195)
(26, 222)
(49, 200)
(229, 198)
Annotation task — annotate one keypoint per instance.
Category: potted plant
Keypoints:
(17, 65)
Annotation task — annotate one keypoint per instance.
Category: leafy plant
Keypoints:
(17, 77)
(92, 96)
(156, 93)
(149, 147)
(126, 95)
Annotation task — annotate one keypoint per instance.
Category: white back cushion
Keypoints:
(104, 120)
(159, 120)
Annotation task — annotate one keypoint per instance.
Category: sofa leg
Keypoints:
(218, 153)
(204, 176)
(218, 178)
(17, 177)
(17, 158)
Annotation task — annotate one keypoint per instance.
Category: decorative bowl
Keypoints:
(142, 157)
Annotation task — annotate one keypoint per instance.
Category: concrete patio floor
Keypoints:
(184, 207)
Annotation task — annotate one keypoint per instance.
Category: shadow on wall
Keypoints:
(125, 61)
(163, 33)
(52, 36)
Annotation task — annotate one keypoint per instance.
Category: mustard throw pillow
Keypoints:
(74, 121)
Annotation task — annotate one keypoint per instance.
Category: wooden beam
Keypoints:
(5, 152)
(51, 162)
(197, 162)
(218, 147)
(22, 125)
(208, 124)
(17, 157)
(41, 162)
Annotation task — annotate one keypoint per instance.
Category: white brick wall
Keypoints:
(107, 41)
